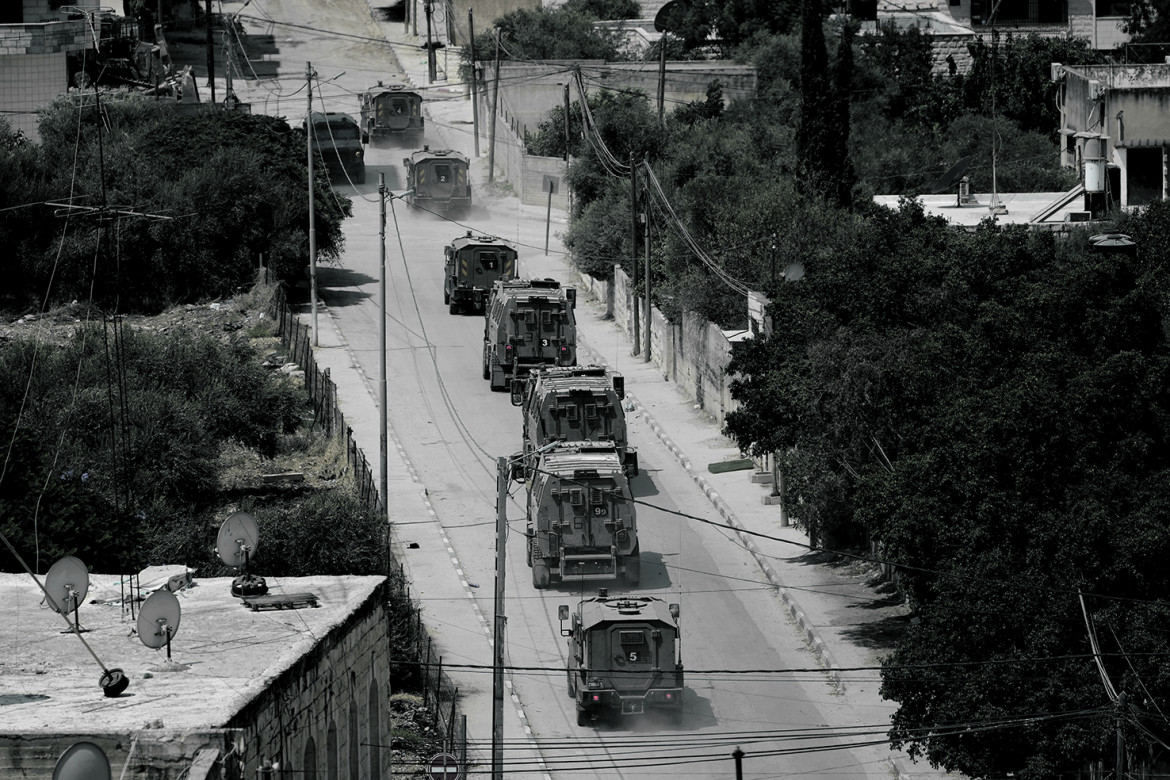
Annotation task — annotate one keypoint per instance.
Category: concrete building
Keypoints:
(1115, 126)
(36, 40)
(304, 688)
(1098, 21)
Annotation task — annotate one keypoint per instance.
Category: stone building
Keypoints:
(303, 689)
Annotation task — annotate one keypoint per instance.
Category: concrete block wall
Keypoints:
(693, 353)
(27, 82)
(334, 699)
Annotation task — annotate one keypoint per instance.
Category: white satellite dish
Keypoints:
(82, 761)
(66, 585)
(239, 538)
(158, 622)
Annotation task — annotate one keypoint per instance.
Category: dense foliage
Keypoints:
(113, 454)
(993, 408)
(195, 199)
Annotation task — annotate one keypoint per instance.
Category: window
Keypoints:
(355, 764)
(375, 733)
(631, 637)
(443, 173)
(489, 260)
(1111, 8)
(331, 767)
(310, 770)
(1144, 175)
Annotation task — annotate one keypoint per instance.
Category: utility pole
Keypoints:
(495, 106)
(383, 423)
(661, 76)
(1119, 764)
(647, 320)
(566, 122)
(500, 621)
(406, 17)
(474, 79)
(634, 277)
(738, 756)
(210, 54)
(309, 74)
(427, 7)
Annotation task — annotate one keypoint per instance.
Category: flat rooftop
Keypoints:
(1022, 207)
(49, 682)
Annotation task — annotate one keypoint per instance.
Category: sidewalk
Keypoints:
(847, 618)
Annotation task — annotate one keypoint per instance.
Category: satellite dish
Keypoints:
(65, 587)
(662, 18)
(952, 177)
(239, 538)
(82, 761)
(158, 621)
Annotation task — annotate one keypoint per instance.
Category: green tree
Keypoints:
(230, 186)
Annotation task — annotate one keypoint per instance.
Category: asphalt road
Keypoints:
(452, 428)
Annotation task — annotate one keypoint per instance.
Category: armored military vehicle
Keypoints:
(528, 323)
(392, 113)
(574, 404)
(338, 139)
(624, 656)
(437, 180)
(473, 264)
(581, 523)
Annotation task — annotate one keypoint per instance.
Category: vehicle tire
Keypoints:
(453, 307)
(528, 553)
(360, 177)
(487, 371)
(446, 297)
(540, 575)
(582, 717)
(502, 384)
(572, 686)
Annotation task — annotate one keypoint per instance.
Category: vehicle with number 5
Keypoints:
(625, 656)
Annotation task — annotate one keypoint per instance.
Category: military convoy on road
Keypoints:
(392, 113)
(581, 523)
(624, 656)
(438, 179)
(578, 403)
(528, 324)
(472, 266)
(577, 463)
(338, 139)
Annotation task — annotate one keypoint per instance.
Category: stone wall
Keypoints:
(692, 353)
(160, 754)
(332, 702)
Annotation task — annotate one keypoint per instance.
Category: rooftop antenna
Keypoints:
(239, 538)
(956, 174)
(158, 622)
(112, 681)
(995, 207)
(65, 587)
(82, 761)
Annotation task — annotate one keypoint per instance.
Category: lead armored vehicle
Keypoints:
(392, 113)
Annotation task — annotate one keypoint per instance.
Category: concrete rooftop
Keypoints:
(49, 683)
(1022, 207)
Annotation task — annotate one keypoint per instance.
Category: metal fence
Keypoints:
(414, 665)
(297, 336)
